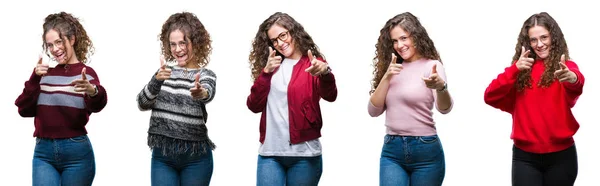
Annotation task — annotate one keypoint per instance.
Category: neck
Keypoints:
(296, 55)
(73, 60)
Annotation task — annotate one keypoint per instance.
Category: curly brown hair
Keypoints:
(194, 32)
(558, 47)
(69, 26)
(260, 51)
(385, 45)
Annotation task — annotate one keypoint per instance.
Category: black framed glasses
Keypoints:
(282, 36)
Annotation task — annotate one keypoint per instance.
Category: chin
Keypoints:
(181, 63)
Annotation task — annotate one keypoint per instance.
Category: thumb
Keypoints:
(271, 52)
(83, 76)
(563, 66)
(197, 76)
(434, 69)
(162, 62)
(310, 55)
(394, 58)
(40, 60)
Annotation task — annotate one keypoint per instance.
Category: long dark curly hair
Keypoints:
(69, 26)
(558, 47)
(261, 43)
(385, 46)
(194, 32)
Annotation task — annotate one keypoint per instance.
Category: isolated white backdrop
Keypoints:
(476, 41)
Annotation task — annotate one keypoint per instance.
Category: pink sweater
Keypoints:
(409, 103)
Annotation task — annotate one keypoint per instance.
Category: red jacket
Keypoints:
(304, 93)
(542, 118)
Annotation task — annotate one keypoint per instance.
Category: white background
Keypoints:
(476, 41)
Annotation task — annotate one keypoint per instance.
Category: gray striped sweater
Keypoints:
(177, 122)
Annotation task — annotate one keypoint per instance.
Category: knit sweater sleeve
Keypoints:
(147, 97)
(208, 80)
(27, 101)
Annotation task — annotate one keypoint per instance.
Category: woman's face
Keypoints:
(403, 44)
(60, 48)
(283, 42)
(540, 41)
(180, 46)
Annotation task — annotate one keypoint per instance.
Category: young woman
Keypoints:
(290, 77)
(177, 95)
(61, 99)
(539, 89)
(408, 88)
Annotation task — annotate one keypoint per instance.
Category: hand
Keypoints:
(41, 68)
(317, 67)
(524, 62)
(434, 81)
(83, 85)
(564, 74)
(393, 69)
(164, 72)
(198, 92)
(272, 62)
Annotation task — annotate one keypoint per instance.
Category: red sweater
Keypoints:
(304, 93)
(59, 111)
(542, 118)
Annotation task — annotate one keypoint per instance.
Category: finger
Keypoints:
(309, 69)
(563, 66)
(310, 56)
(562, 58)
(277, 58)
(271, 52)
(434, 69)
(83, 76)
(40, 60)
(394, 58)
(162, 62)
(197, 82)
(563, 79)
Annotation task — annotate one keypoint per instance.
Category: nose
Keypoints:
(539, 43)
(177, 48)
(53, 48)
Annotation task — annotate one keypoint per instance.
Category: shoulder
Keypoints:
(207, 72)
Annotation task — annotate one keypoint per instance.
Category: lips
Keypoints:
(59, 56)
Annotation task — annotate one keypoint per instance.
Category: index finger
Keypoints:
(310, 55)
(434, 70)
(162, 62)
(394, 58)
(83, 76)
(40, 60)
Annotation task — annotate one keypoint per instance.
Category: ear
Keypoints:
(72, 40)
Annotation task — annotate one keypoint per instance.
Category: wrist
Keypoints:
(94, 91)
(443, 88)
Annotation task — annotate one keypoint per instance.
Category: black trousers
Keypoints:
(551, 169)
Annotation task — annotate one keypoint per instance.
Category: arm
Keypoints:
(147, 96)
(377, 101)
(574, 90)
(500, 93)
(326, 84)
(257, 100)
(96, 102)
(27, 101)
(443, 100)
(208, 80)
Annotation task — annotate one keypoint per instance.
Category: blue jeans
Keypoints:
(68, 161)
(288, 171)
(412, 160)
(182, 169)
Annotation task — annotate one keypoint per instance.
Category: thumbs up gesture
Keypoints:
(564, 74)
(317, 67)
(41, 68)
(434, 81)
(164, 72)
(393, 69)
(83, 85)
(198, 92)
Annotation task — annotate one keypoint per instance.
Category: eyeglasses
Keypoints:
(58, 43)
(283, 36)
(181, 44)
(545, 39)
